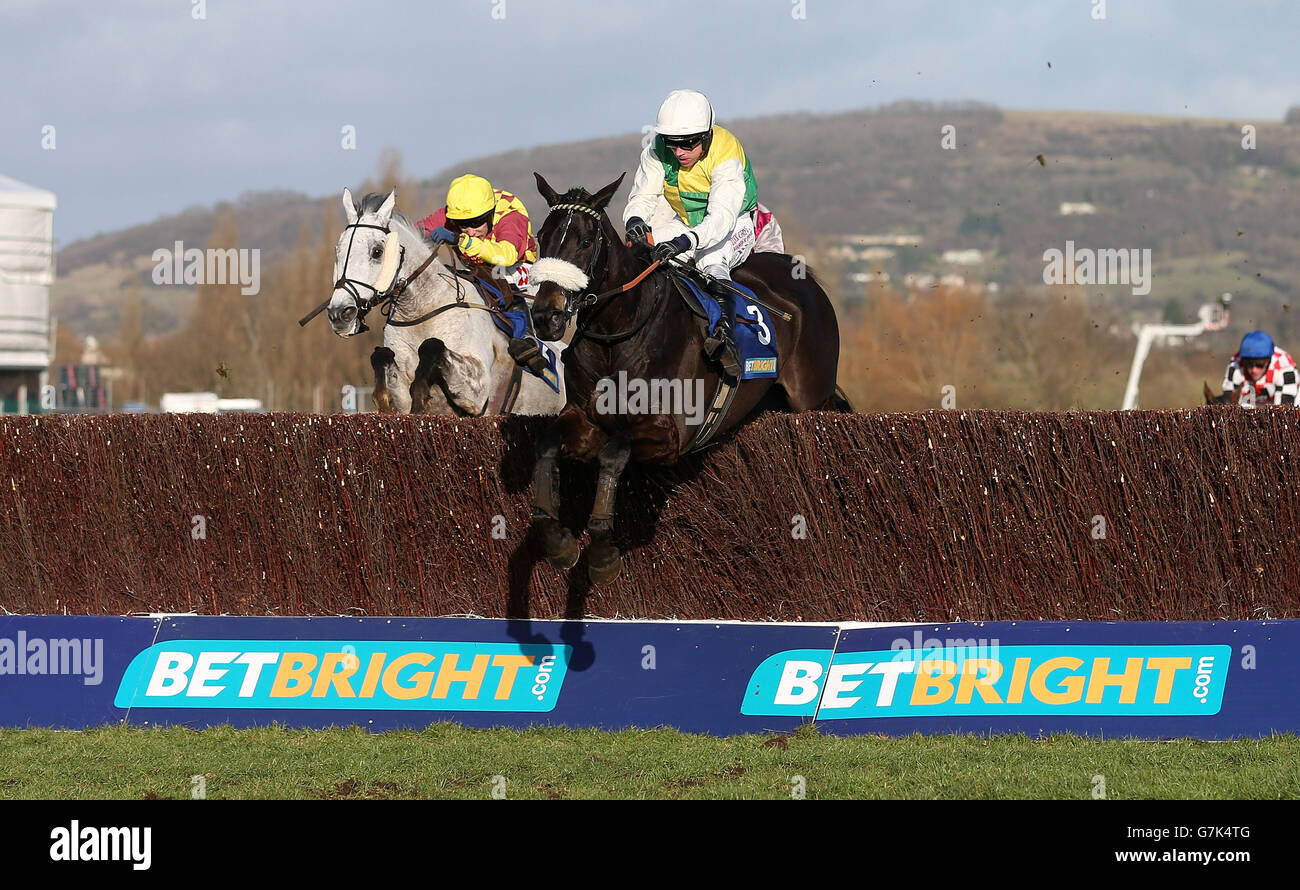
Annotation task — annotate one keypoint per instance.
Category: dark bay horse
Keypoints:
(647, 337)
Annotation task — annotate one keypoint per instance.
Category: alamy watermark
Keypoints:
(181, 265)
(78, 843)
(35, 656)
(658, 395)
(1085, 265)
(971, 652)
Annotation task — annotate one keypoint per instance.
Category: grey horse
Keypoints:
(453, 362)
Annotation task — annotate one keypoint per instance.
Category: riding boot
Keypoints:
(721, 345)
(525, 351)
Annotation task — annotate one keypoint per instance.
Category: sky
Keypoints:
(159, 105)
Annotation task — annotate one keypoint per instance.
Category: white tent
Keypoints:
(26, 273)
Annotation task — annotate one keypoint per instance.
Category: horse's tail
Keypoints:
(1223, 398)
(839, 402)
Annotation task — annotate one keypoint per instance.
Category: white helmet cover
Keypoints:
(684, 113)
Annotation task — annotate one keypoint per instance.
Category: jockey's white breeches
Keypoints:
(718, 259)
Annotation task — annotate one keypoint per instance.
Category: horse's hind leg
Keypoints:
(604, 562)
(557, 541)
(811, 359)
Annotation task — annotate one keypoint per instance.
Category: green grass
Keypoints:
(449, 761)
(1210, 275)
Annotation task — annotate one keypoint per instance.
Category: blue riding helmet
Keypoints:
(1256, 344)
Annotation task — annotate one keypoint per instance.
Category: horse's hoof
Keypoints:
(419, 398)
(564, 561)
(604, 563)
(559, 545)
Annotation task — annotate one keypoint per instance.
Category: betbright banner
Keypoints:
(1144, 680)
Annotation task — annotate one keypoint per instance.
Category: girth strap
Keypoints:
(722, 400)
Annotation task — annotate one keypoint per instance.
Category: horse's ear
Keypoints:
(551, 196)
(349, 206)
(1209, 395)
(603, 197)
(386, 208)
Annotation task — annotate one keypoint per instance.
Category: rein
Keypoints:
(592, 299)
(401, 284)
(608, 339)
(460, 303)
(387, 300)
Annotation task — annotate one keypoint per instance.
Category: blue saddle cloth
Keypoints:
(514, 324)
(756, 342)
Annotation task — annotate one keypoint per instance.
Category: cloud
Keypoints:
(156, 110)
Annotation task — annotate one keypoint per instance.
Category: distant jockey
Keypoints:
(1261, 373)
(490, 227)
(702, 172)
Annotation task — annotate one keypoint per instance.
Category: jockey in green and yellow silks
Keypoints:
(688, 190)
(701, 172)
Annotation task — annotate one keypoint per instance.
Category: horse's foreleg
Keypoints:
(427, 375)
(557, 541)
(604, 562)
(839, 401)
(380, 361)
(464, 378)
(396, 373)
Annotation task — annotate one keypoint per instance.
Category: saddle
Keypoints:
(754, 339)
(514, 320)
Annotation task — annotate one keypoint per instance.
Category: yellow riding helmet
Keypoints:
(470, 197)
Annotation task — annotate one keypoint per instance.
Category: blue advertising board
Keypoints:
(60, 671)
(391, 673)
(1207, 680)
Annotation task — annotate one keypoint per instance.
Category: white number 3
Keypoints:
(764, 334)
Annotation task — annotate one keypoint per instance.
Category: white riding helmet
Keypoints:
(684, 113)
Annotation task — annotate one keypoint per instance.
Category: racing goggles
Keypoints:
(684, 142)
(461, 224)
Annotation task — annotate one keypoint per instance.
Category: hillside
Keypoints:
(1216, 216)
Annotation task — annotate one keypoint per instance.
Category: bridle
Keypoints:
(575, 303)
(387, 298)
(573, 306)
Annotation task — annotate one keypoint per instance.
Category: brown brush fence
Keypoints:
(929, 516)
